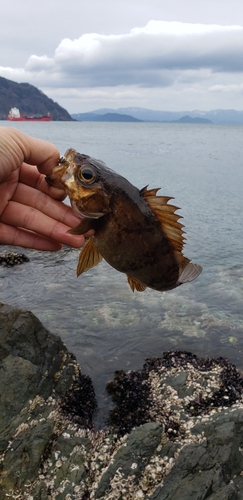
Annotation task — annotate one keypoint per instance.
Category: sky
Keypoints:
(171, 55)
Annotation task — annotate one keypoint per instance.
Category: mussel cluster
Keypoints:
(12, 259)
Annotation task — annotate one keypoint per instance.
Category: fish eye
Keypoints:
(86, 174)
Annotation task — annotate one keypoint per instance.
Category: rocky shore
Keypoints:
(175, 430)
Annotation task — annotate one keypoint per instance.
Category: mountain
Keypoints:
(106, 117)
(217, 116)
(29, 100)
(119, 117)
(189, 119)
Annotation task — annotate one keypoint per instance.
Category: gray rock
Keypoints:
(133, 456)
(42, 391)
(175, 432)
(202, 471)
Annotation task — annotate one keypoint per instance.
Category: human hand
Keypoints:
(31, 212)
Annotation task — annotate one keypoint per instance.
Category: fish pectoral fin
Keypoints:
(135, 284)
(84, 226)
(88, 258)
(189, 273)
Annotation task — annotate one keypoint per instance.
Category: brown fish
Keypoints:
(136, 231)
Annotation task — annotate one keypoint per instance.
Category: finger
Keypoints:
(22, 216)
(36, 151)
(31, 176)
(43, 203)
(15, 236)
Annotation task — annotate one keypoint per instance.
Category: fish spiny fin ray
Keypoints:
(167, 217)
(88, 257)
(189, 273)
(135, 284)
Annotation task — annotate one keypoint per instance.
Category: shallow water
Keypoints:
(99, 318)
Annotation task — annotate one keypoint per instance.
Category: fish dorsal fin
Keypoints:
(88, 257)
(84, 226)
(189, 273)
(166, 215)
(135, 284)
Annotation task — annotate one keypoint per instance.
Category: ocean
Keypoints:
(101, 321)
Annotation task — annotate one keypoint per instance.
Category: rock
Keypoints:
(171, 390)
(175, 432)
(199, 403)
(132, 457)
(212, 469)
(39, 383)
(12, 259)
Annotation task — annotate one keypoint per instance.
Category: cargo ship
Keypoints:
(15, 116)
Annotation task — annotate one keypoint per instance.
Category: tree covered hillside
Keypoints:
(29, 100)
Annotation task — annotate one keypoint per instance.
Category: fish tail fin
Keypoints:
(189, 273)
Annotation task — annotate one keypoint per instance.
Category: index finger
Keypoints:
(33, 151)
(41, 153)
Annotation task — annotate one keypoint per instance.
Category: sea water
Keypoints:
(101, 321)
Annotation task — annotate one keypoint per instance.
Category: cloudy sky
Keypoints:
(160, 54)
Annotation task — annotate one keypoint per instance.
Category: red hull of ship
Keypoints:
(23, 119)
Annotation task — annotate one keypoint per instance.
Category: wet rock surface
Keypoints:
(39, 383)
(175, 432)
(171, 390)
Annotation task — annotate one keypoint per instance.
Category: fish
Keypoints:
(137, 232)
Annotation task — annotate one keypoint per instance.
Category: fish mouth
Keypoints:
(59, 174)
(53, 181)
(50, 180)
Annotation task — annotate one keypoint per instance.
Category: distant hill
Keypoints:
(106, 117)
(217, 116)
(188, 119)
(29, 100)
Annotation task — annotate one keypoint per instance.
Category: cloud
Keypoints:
(181, 57)
(150, 56)
(227, 88)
